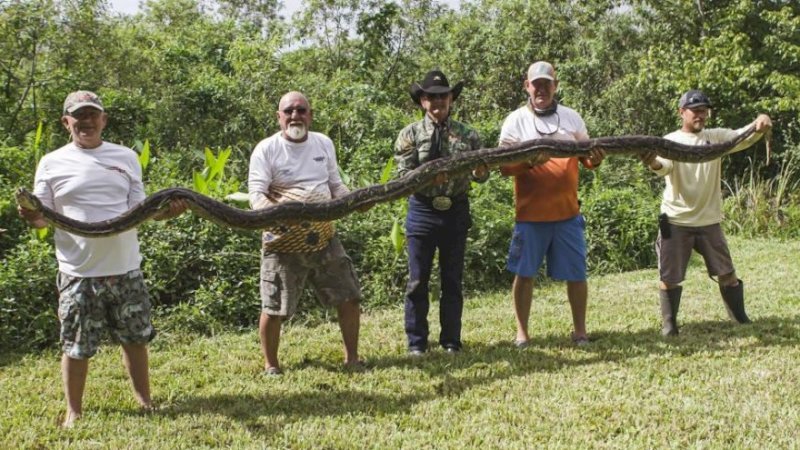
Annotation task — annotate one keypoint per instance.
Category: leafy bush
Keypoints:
(759, 206)
(16, 170)
(621, 227)
(492, 205)
(366, 238)
(28, 296)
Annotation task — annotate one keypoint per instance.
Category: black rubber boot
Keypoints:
(670, 302)
(733, 296)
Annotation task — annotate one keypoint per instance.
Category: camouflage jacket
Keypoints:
(414, 147)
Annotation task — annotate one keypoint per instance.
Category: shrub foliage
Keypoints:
(186, 77)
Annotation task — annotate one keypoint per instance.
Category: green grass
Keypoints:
(717, 386)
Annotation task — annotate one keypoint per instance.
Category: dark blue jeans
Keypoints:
(426, 230)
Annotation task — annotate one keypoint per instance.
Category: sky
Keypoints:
(131, 6)
(289, 6)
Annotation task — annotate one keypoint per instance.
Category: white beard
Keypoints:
(296, 132)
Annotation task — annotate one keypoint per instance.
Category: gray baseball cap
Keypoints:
(694, 99)
(81, 99)
(541, 69)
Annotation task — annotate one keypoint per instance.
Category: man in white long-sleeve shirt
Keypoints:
(691, 211)
(296, 164)
(99, 281)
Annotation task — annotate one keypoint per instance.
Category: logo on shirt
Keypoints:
(117, 169)
(319, 159)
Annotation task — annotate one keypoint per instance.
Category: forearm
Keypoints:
(339, 190)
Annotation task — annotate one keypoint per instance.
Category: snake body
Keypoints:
(228, 216)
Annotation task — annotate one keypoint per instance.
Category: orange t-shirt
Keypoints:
(547, 192)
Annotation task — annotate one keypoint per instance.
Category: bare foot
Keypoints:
(355, 366)
(70, 419)
(148, 408)
(273, 371)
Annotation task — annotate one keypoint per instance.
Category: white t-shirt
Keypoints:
(91, 186)
(693, 196)
(304, 171)
(522, 125)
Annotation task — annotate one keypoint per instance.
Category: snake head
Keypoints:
(27, 200)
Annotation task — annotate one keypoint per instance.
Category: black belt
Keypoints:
(441, 202)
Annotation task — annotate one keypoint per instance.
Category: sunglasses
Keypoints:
(301, 110)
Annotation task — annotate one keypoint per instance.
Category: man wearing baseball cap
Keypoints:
(691, 211)
(548, 223)
(100, 284)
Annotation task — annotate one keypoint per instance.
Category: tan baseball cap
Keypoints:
(541, 69)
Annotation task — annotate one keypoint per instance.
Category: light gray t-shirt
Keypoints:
(91, 186)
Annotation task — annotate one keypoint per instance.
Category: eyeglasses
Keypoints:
(300, 110)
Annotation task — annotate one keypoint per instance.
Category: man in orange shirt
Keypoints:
(548, 218)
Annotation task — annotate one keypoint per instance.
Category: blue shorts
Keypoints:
(562, 242)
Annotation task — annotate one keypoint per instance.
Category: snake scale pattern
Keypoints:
(359, 199)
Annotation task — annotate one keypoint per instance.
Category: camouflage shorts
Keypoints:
(329, 271)
(87, 306)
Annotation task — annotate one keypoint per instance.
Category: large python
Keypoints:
(359, 199)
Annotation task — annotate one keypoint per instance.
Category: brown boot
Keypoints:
(733, 296)
(670, 302)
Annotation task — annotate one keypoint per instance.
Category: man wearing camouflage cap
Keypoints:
(99, 281)
(691, 211)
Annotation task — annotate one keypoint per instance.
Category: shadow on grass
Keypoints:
(452, 375)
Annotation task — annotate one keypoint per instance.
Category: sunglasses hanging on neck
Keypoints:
(537, 113)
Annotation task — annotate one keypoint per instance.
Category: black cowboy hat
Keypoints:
(435, 82)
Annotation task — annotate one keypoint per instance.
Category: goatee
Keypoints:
(296, 132)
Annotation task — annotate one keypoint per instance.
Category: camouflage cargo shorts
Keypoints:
(283, 275)
(88, 306)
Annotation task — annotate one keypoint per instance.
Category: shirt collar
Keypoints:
(429, 123)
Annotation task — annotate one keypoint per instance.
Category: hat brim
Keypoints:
(542, 77)
(417, 91)
(80, 105)
(698, 105)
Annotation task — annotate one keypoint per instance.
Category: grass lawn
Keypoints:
(718, 385)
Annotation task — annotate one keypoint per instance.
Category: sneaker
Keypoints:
(416, 352)
(452, 350)
(522, 344)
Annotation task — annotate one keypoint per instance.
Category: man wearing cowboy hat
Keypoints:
(691, 211)
(548, 218)
(438, 215)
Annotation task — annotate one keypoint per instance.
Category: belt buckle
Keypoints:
(441, 203)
